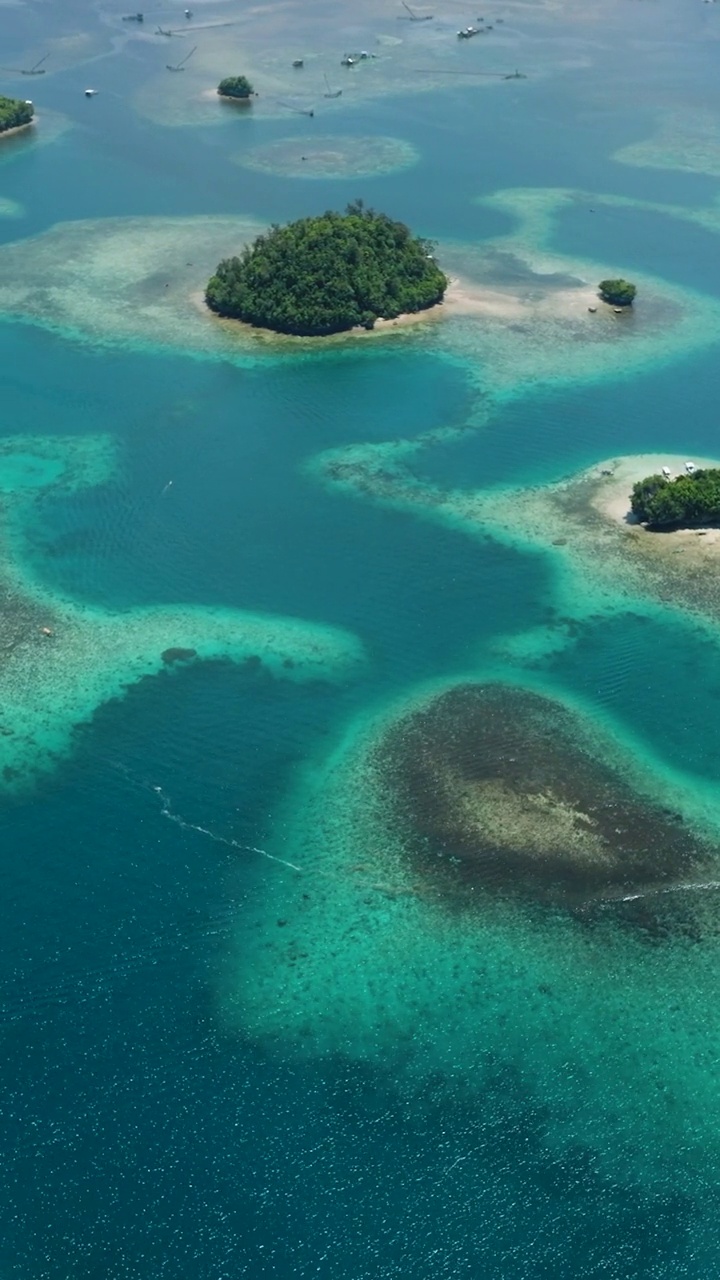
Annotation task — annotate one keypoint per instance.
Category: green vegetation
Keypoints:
(620, 292)
(235, 87)
(14, 112)
(688, 500)
(328, 274)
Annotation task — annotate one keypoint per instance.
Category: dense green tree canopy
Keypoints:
(620, 292)
(688, 500)
(14, 112)
(328, 274)
(235, 87)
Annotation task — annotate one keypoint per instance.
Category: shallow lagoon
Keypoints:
(147, 1126)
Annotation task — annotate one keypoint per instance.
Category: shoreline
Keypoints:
(463, 297)
(209, 94)
(243, 329)
(17, 128)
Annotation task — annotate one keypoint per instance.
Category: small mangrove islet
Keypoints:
(238, 88)
(621, 293)
(329, 274)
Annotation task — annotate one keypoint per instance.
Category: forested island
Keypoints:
(621, 293)
(328, 274)
(688, 500)
(14, 113)
(238, 87)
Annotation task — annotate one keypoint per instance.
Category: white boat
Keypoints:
(90, 93)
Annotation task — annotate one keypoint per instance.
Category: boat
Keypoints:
(467, 33)
(299, 62)
(90, 93)
(348, 61)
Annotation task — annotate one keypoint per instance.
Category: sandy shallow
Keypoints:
(465, 297)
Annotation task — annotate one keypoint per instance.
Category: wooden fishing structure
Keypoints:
(454, 71)
(416, 17)
(180, 66)
(36, 70)
(299, 111)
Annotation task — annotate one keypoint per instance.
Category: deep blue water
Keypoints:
(141, 1138)
(555, 433)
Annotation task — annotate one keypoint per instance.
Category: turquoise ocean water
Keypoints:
(143, 1134)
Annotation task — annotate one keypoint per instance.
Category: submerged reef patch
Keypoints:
(686, 140)
(60, 660)
(330, 156)
(123, 280)
(424, 927)
(498, 788)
